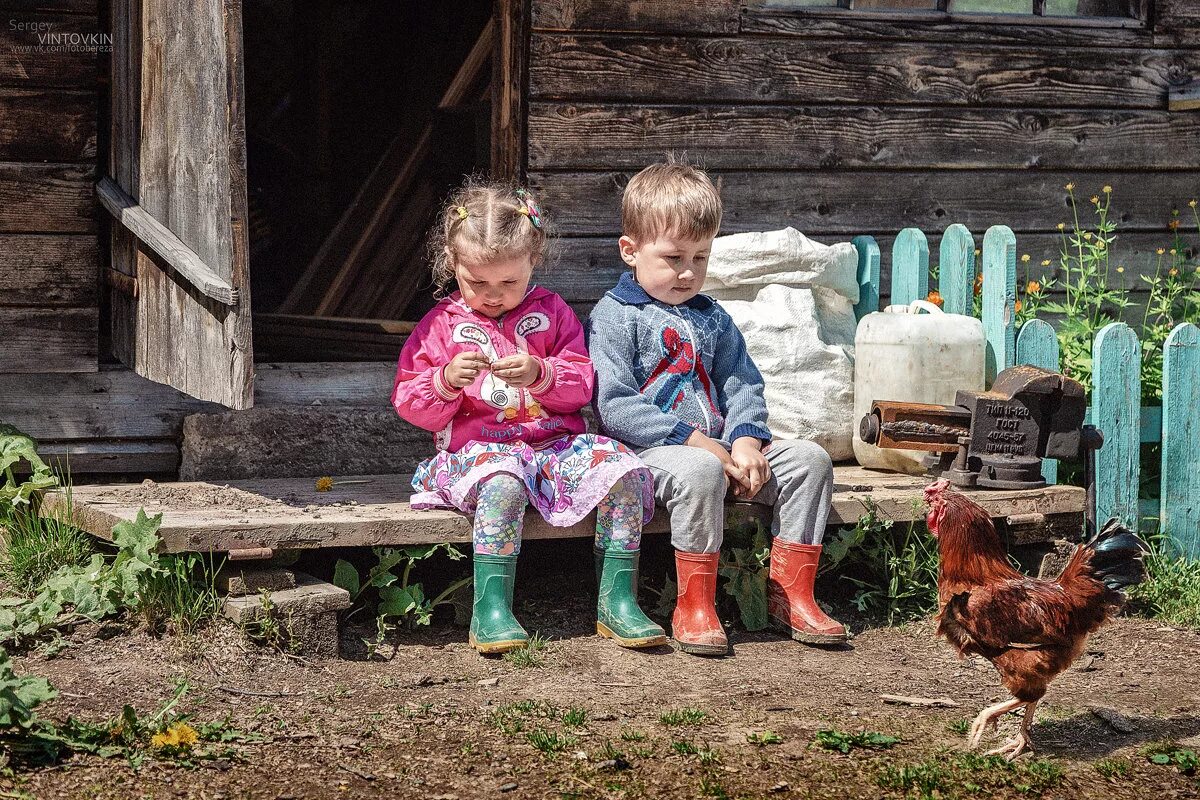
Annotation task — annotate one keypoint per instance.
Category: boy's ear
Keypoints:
(629, 249)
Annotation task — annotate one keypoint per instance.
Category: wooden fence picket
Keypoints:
(1179, 515)
(1037, 345)
(1116, 411)
(910, 267)
(999, 299)
(868, 275)
(956, 269)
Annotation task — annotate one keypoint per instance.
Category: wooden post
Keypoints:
(868, 276)
(956, 269)
(1037, 345)
(999, 299)
(1179, 516)
(910, 267)
(1117, 411)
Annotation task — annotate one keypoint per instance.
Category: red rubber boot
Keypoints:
(695, 626)
(790, 600)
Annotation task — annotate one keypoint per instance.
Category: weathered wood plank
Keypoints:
(29, 57)
(580, 136)
(47, 124)
(929, 28)
(48, 340)
(270, 512)
(999, 299)
(46, 270)
(648, 16)
(730, 70)
(1180, 485)
(136, 459)
(1116, 407)
(124, 154)
(88, 7)
(583, 269)
(510, 76)
(589, 203)
(47, 198)
(1037, 344)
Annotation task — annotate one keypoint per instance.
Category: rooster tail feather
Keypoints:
(1117, 556)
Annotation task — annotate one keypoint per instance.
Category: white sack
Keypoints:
(793, 300)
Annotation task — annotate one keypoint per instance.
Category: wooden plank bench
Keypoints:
(288, 513)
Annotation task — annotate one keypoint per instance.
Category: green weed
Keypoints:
(711, 787)
(574, 717)
(845, 742)
(1171, 593)
(684, 748)
(1169, 753)
(960, 726)
(531, 655)
(764, 738)
(1113, 767)
(396, 596)
(629, 735)
(708, 756)
(183, 592)
(683, 716)
(549, 743)
(965, 775)
(35, 547)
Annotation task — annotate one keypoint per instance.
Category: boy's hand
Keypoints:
(732, 471)
(517, 371)
(464, 368)
(747, 454)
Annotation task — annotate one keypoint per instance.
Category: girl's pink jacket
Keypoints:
(489, 410)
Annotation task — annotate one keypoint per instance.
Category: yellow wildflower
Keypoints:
(1192, 204)
(1070, 187)
(1173, 224)
(1033, 287)
(1100, 244)
(1173, 272)
(324, 484)
(977, 251)
(1120, 269)
(1160, 251)
(1088, 236)
(1046, 262)
(935, 297)
(1096, 199)
(1061, 226)
(1025, 258)
(1172, 251)
(179, 735)
(1018, 306)
(1107, 189)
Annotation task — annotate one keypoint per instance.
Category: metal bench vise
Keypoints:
(994, 439)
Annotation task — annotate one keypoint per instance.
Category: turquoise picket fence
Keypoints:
(1116, 397)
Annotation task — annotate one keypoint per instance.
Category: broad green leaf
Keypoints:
(345, 576)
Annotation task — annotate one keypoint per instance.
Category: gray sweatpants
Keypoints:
(690, 483)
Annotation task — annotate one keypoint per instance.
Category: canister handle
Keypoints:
(914, 307)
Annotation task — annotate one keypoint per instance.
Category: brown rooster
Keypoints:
(1030, 629)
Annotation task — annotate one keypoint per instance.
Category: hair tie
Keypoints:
(462, 212)
(529, 208)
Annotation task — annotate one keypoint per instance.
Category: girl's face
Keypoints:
(493, 288)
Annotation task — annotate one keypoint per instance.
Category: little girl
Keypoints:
(499, 371)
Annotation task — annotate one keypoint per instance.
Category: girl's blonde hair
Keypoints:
(486, 221)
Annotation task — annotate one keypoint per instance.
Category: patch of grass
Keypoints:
(845, 742)
(764, 738)
(1169, 753)
(684, 748)
(708, 756)
(35, 547)
(711, 787)
(630, 735)
(510, 718)
(183, 593)
(574, 717)
(683, 716)
(532, 655)
(961, 726)
(1113, 767)
(951, 775)
(1172, 591)
(549, 743)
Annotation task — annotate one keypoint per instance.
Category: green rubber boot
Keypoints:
(494, 629)
(618, 615)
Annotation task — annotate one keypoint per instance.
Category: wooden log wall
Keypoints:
(841, 122)
(49, 251)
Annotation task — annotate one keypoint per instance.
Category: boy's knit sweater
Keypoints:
(663, 371)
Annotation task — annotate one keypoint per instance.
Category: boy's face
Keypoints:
(671, 269)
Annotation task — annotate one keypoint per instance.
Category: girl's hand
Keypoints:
(517, 371)
(747, 454)
(464, 368)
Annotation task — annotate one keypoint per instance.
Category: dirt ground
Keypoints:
(434, 720)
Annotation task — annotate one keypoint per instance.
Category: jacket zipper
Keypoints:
(696, 360)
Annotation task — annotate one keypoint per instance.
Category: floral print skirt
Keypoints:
(564, 480)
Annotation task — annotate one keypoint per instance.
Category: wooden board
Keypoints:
(47, 198)
(29, 58)
(49, 124)
(587, 136)
(43, 270)
(290, 514)
(717, 70)
(657, 16)
(825, 202)
(48, 340)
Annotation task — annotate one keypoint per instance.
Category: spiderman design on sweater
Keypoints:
(680, 365)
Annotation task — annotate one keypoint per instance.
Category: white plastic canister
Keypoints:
(901, 354)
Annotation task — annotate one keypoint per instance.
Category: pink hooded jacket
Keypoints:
(489, 410)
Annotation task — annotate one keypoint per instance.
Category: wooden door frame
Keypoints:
(510, 90)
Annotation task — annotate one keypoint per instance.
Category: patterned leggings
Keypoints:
(500, 513)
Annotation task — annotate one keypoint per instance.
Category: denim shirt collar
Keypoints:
(629, 292)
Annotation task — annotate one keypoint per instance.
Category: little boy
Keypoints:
(674, 380)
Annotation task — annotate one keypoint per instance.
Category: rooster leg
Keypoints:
(1017, 745)
(988, 717)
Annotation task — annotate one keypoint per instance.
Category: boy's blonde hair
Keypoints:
(486, 221)
(670, 199)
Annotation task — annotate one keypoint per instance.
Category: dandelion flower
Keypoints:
(1033, 287)
(1192, 204)
(324, 484)
(1120, 269)
(1046, 262)
(1172, 251)
(1070, 187)
(935, 297)
(1173, 272)
(1025, 258)
(1160, 251)
(1107, 189)
(1061, 225)
(1096, 199)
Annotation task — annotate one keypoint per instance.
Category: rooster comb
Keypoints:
(934, 490)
